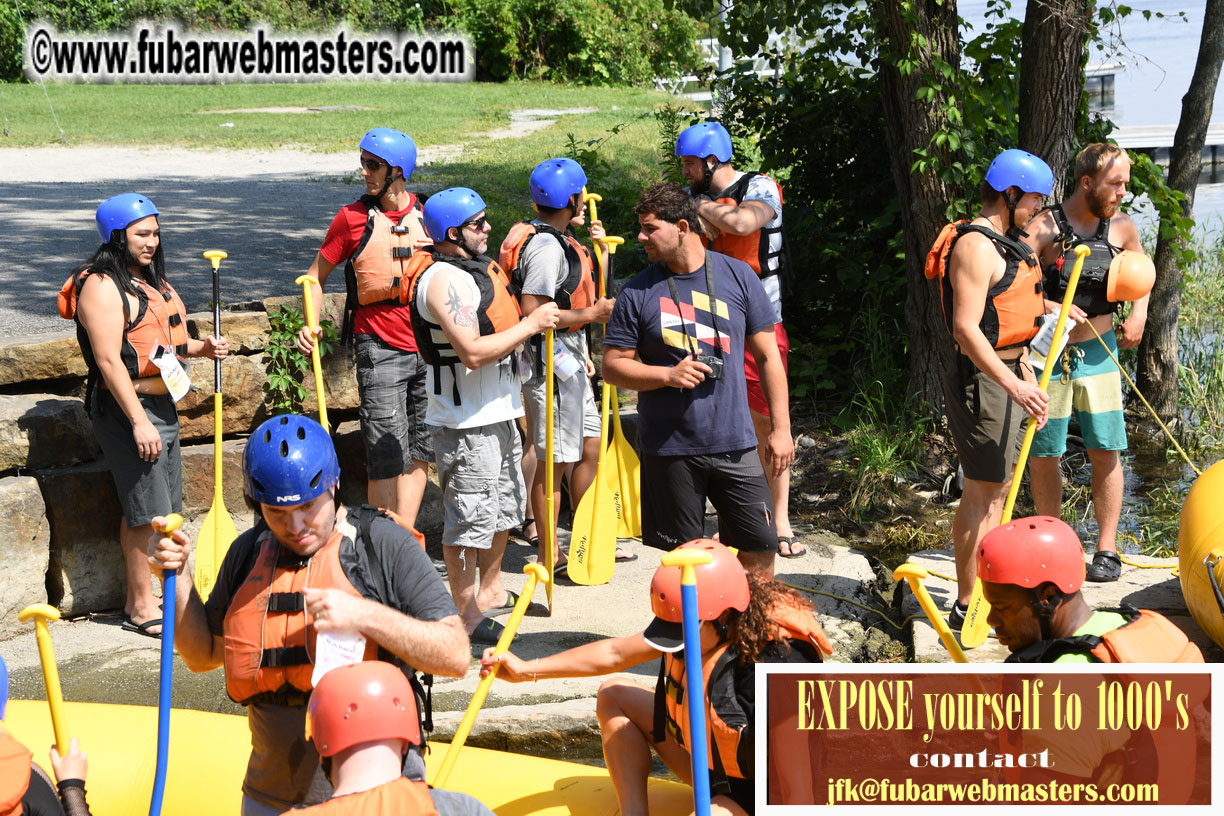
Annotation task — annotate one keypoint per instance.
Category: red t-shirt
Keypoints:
(390, 322)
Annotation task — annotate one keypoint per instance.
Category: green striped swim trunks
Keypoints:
(1093, 395)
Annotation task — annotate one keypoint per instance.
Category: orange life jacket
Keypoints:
(725, 720)
(269, 639)
(14, 773)
(754, 248)
(1014, 305)
(497, 311)
(376, 271)
(401, 796)
(577, 291)
(1148, 757)
(160, 318)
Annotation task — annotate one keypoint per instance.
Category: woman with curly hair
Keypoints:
(744, 620)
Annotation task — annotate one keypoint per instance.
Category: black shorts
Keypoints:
(986, 425)
(674, 493)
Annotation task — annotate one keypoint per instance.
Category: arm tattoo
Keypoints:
(462, 314)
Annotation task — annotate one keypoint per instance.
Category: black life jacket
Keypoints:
(1090, 291)
(497, 311)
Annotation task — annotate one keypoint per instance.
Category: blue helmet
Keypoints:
(118, 211)
(555, 181)
(289, 460)
(450, 208)
(705, 139)
(3, 687)
(1019, 168)
(395, 148)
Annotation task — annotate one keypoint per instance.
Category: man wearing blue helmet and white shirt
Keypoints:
(741, 216)
(546, 263)
(990, 294)
(376, 235)
(468, 328)
(311, 580)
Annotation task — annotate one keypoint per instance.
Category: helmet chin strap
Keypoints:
(386, 184)
(463, 244)
(1044, 610)
(1011, 201)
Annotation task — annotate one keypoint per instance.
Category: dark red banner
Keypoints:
(933, 737)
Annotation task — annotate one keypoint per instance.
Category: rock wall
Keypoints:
(59, 513)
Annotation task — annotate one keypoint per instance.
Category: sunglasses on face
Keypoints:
(476, 223)
(373, 164)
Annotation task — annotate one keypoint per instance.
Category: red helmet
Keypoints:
(359, 703)
(1028, 552)
(722, 584)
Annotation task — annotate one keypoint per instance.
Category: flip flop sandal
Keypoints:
(624, 558)
(487, 633)
(791, 544)
(511, 599)
(129, 625)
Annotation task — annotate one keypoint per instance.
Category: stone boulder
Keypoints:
(199, 475)
(85, 573)
(41, 430)
(25, 539)
(247, 332)
(40, 357)
(242, 397)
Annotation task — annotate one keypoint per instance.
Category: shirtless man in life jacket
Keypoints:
(990, 292)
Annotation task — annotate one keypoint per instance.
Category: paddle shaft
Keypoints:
(308, 304)
(1081, 252)
(550, 526)
(41, 613)
(535, 573)
(694, 691)
(932, 612)
(165, 680)
(217, 422)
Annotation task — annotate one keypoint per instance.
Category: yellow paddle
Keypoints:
(306, 281)
(628, 466)
(535, 573)
(612, 465)
(218, 531)
(914, 574)
(550, 525)
(41, 613)
(975, 629)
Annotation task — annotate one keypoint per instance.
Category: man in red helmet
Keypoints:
(744, 620)
(1031, 571)
(362, 722)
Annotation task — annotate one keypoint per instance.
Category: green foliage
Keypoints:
(671, 119)
(285, 387)
(885, 445)
(598, 42)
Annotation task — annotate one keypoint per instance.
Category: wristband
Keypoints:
(71, 783)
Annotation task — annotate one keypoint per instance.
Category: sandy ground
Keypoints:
(268, 209)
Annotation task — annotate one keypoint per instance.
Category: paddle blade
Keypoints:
(216, 535)
(629, 474)
(975, 628)
(592, 552)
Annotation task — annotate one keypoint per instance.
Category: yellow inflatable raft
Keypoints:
(208, 756)
(1200, 551)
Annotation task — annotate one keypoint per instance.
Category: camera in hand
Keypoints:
(715, 364)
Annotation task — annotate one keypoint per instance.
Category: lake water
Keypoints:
(1157, 59)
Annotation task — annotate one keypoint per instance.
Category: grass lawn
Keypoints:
(432, 113)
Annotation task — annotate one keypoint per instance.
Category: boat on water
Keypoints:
(208, 757)
(1200, 551)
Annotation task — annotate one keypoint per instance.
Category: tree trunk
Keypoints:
(1052, 80)
(910, 124)
(1157, 365)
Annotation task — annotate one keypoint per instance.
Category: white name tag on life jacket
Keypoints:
(336, 649)
(172, 372)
